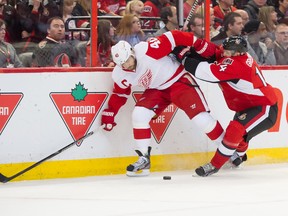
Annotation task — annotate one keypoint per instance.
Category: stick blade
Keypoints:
(3, 178)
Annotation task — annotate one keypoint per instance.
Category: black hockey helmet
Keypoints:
(235, 43)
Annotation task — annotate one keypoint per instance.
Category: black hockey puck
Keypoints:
(166, 177)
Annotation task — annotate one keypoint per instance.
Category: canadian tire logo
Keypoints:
(160, 125)
(78, 108)
(8, 104)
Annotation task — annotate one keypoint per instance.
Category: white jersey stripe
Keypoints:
(225, 151)
(170, 38)
(245, 87)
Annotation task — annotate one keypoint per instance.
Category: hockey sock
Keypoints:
(222, 155)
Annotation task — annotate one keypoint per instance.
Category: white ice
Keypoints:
(252, 190)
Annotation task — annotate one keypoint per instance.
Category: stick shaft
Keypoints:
(191, 13)
(5, 179)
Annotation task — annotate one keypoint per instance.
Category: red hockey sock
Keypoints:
(142, 133)
(216, 132)
(219, 160)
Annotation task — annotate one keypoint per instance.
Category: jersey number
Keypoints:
(259, 74)
(154, 43)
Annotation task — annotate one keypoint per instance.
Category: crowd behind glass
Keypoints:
(29, 30)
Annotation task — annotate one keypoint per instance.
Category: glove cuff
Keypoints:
(203, 49)
(108, 112)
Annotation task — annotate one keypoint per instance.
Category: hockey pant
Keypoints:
(245, 125)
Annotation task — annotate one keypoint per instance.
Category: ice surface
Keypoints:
(252, 190)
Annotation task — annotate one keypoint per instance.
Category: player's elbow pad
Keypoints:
(191, 64)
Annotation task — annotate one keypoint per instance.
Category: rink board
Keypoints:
(42, 111)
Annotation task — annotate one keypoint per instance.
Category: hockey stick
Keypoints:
(5, 179)
(190, 14)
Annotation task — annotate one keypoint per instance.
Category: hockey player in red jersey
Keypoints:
(165, 81)
(245, 91)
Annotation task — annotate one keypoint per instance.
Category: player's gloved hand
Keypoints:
(180, 52)
(205, 48)
(108, 119)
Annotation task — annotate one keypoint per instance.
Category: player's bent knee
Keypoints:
(211, 127)
(141, 117)
(234, 134)
(204, 121)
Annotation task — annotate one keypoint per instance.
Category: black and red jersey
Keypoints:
(241, 81)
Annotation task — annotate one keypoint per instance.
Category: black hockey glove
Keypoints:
(195, 55)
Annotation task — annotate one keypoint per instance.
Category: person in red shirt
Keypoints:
(152, 9)
(112, 7)
(105, 41)
(188, 4)
(224, 7)
(245, 91)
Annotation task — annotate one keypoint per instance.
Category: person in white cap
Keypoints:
(165, 81)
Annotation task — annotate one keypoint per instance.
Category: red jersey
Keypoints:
(104, 56)
(220, 13)
(187, 8)
(240, 80)
(155, 69)
(114, 6)
(151, 9)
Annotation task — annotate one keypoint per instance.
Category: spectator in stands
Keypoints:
(168, 15)
(9, 15)
(135, 7)
(239, 4)
(105, 41)
(281, 44)
(54, 50)
(68, 6)
(213, 31)
(112, 7)
(196, 25)
(42, 11)
(268, 16)
(82, 8)
(232, 26)
(24, 32)
(8, 55)
(129, 29)
(224, 7)
(152, 9)
(187, 6)
(213, 3)
(282, 9)
(262, 52)
(244, 15)
(252, 8)
(271, 3)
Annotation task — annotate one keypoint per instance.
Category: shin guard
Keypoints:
(234, 134)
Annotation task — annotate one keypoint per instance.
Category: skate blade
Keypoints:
(139, 173)
(196, 175)
(230, 165)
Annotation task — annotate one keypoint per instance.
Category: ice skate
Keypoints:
(237, 160)
(206, 170)
(141, 167)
